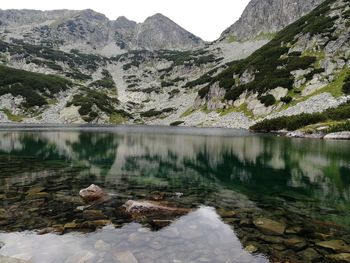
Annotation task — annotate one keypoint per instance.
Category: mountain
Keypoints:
(263, 18)
(92, 32)
(159, 32)
(303, 69)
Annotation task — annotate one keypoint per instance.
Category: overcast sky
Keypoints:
(204, 18)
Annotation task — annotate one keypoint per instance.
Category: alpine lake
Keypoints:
(244, 197)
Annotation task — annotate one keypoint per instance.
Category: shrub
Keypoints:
(154, 112)
(176, 123)
(286, 99)
(234, 93)
(204, 91)
(34, 87)
(345, 126)
(267, 100)
(105, 82)
(298, 121)
(346, 88)
(87, 98)
(166, 84)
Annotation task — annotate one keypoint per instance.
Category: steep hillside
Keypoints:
(92, 32)
(302, 69)
(132, 87)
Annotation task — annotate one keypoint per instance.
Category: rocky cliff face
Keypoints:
(265, 17)
(91, 32)
(159, 32)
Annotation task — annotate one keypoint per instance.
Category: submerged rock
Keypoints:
(100, 245)
(342, 257)
(2, 244)
(93, 193)
(125, 257)
(309, 255)
(146, 207)
(269, 226)
(336, 245)
(251, 249)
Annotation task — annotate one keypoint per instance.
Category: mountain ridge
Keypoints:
(92, 32)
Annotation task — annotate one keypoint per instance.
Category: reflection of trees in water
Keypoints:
(261, 164)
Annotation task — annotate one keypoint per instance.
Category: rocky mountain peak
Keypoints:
(92, 32)
(161, 32)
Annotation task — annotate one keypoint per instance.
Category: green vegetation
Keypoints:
(154, 112)
(75, 58)
(265, 35)
(77, 75)
(12, 117)
(89, 100)
(34, 87)
(267, 100)
(176, 123)
(270, 64)
(48, 64)
(287, 99)
(346, 85)
(343, 126)
(231, 39)
(166, 84)
(295, 122)
(106, 82)
(119, 117)
(184, 57)
(203, 91)
(188, 112)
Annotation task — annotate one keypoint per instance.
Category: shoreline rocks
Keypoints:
(345, 135)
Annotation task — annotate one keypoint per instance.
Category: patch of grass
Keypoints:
(265, 35)
(117, 118)
(232, 39)
(188, 112)
(12, 117)
(336, 87)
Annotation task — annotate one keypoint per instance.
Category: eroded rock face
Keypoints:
(92, 193)
(268, 16)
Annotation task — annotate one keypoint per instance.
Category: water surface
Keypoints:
(228, 179)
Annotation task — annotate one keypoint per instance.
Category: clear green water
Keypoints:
(304, 184)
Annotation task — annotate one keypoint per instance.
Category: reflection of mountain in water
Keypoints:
(252, 164)
(252, 160)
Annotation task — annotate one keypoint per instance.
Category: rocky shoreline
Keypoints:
(344, 135)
